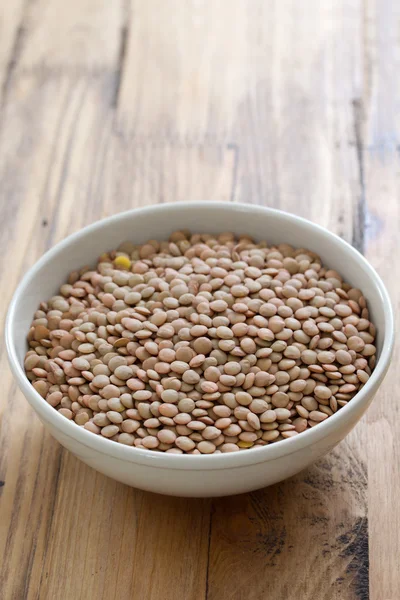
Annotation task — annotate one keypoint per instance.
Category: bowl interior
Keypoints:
(158, 222)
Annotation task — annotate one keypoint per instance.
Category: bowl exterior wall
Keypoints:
(207, 482)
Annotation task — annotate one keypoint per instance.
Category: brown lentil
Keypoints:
(201, 344)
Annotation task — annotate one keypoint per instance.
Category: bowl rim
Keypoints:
(198, 462)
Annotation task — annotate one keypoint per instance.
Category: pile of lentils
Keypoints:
(201, 344)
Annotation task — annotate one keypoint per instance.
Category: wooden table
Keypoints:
(114, 104)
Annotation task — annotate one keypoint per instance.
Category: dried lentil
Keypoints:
(201, 344)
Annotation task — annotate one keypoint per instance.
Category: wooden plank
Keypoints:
(304, 538)
(45, 117)
(126, 543)
(78, 34)
(30, 465)
(298, 136)
(212, 74)
(77, 167)
(139, 174)
(11, 33)
(93, 536)
(186, 71)
(72, 155)
(382, 177)
(164, 568)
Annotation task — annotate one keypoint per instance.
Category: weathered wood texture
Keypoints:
(106, 106)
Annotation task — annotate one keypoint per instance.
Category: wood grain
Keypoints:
(256, 538)
(382, 180)
(106, 106)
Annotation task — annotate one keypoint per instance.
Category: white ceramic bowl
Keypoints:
(212, 475)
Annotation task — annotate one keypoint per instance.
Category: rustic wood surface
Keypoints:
(109, 105)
